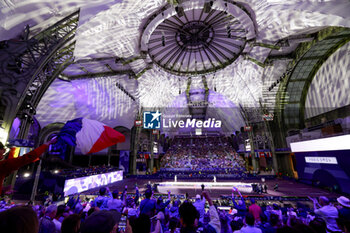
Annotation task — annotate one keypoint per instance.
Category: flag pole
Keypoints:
(36, 181)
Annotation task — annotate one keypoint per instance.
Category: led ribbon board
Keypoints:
(81, 184)
(323, 144)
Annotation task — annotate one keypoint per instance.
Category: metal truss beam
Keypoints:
(340, 36)
(29, 66)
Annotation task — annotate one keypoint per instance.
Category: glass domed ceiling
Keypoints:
(197, 40)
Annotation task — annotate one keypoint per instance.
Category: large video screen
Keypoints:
(324, 162)
(81, 184)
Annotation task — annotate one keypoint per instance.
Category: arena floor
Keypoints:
(285, 188)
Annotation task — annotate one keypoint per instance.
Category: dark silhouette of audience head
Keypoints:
(102, 191)
(142, 224)
(318, 225)
(71, 224)
(249, 219)
(115, 194)
(20, 219)
(100, 222)
(324, 201)
(148, 193)
(188, 214)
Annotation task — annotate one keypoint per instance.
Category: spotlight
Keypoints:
(27, 174)
(56, 171)
(163, 41)
(180, 11)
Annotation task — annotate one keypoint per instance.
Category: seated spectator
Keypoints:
(174, 225)
(160, 205)
(240, 207)
(200, 206)
(250, 228)
(344, 211)
(236, 225)
(344, 225)
(101, 222)
(148, 205)
(102, 199)
(92, 210)
(302, 228)
(60, 211)
(270, 226)
(71, 224)
(286, 229)
(143, 225)
(318, 225)
(326, 211)
(46, 224)
(115, 203)
(189, 215)
(130, 208)
(174, 210)
(255, 210)
(19, 219)
(297, 217)
(224, 221)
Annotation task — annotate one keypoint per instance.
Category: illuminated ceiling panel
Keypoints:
(116, 29)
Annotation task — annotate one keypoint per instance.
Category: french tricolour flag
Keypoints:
(89, 136)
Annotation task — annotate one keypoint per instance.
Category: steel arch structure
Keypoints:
(290, 98)
(29, 66)
(304, 71)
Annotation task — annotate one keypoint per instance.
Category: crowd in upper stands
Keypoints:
(203, 154)
(86, 171)
(111, 212)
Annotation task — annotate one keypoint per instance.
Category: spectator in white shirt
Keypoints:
(326, 211)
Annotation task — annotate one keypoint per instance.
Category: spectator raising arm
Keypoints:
(214, 216)
(123, 197)
(9, 165)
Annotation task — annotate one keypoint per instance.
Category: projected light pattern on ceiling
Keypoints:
(330, 86)
(219, 107)
(112, 28)
(240, 82)
(97, 98)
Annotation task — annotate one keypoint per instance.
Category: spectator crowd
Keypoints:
(203, 154)
(85, 171)
(112, 212)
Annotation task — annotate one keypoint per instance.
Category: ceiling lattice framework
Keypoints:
(196, 40)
